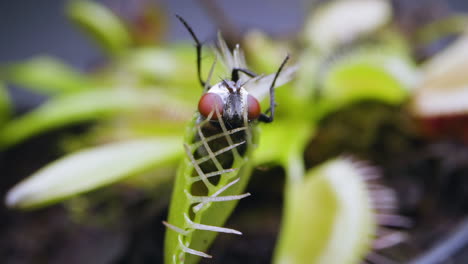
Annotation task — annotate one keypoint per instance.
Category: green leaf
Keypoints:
(93, 168)
(294, 135)
(363, 81)
(327, 218)
(46, 74)
(174, 66)
(4, 105)
(85, 106)
(101, 24)
(265, 54)
(370, 74)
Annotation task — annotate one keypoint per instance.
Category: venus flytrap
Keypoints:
(328, 217)
(218, 145)
(193, 235)
(357, 58)
(343, 216)
(89, 169)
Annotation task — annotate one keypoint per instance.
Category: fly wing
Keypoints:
(260, 85)
(231, 60)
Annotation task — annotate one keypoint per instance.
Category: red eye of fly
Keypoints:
(208, 103)
(253, 107)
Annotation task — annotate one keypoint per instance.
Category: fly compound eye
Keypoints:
(208, 103)
(253, 107)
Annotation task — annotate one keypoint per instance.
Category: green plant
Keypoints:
(141, 106)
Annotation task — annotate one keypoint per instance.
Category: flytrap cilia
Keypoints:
(218, 145)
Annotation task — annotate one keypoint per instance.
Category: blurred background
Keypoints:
(32, 28)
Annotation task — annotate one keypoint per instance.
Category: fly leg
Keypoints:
(264, 116)
(235, 73)
(198, 46)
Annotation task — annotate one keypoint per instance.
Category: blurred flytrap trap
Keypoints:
(353, 93)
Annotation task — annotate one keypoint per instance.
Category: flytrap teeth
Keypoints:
(226, 133)
(367, 171)
(373, 258)
(212, 174)
(211, 156)
(195, 226)
(221, 190)
(197, 168)
(176, 229)
(385, 204)
(204, 140)
(217, 153)
(389, 239)
(393, 220)
(192, 251)
(220, 135)
(209, 227)
(208, 199)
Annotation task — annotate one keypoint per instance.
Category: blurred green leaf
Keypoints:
(362, 81)
(74, 108)
(369, 74)
(293, 134)
(167, 65)
(101, 24)
(265, 54)
(327, 218)
(46, 74)
(174, 66)
(93, 168)
(4, 104)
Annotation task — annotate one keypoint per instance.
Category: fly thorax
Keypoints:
(234, 98)
(236, 107)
